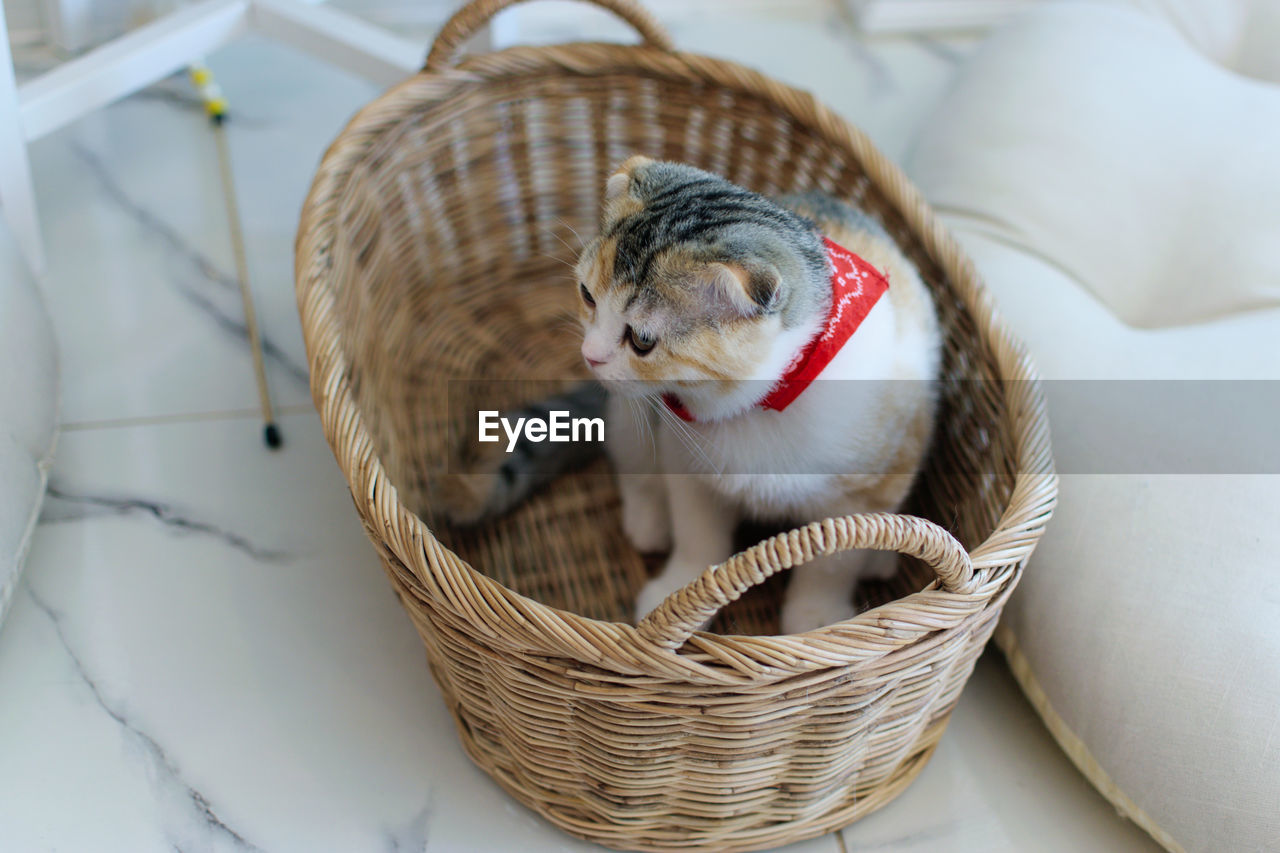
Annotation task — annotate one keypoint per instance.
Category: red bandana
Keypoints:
(856, 287)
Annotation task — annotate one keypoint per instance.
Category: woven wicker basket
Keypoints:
(432, 246)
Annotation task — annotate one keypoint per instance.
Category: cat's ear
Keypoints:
(746, 292)
(617, 186)
(620, 182)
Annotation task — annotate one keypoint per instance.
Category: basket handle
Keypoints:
(471, 17)
(675, 620)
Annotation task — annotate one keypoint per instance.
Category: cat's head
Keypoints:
(692, 279)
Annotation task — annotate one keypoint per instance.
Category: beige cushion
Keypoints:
(1146, 629)
(1149, 629)
(1099, 136)
(1236, 34)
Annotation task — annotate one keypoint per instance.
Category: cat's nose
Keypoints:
(594, 357)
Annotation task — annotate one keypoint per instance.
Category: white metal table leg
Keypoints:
(340, 39)
(145, 55)
(17, 196)
(68, 21)
(129, 63)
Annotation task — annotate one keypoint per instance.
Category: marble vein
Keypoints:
(880, 79)
(198, 261)
(414, 836)
(164, 765)
(938, 832)
(940, 49)
(64, 506)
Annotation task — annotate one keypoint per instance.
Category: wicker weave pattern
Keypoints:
(432, 247)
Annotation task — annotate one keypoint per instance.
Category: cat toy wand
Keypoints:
(216, 107)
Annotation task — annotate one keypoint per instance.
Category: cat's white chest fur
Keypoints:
(773, 464)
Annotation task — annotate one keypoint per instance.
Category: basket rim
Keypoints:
(505, 617)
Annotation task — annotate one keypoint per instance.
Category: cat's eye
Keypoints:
(586, 295)
(640, 342)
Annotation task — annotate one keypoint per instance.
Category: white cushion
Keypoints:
(28, 409)
(1236, 34)
(1146, 629)
(1096, 134)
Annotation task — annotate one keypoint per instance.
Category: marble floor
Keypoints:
(204, 654)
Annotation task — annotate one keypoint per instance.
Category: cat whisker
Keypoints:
(687, 437)
(573, 231)
(568, 263)
(653, 436)
(568, 324)
(645, 425)
(574, 250)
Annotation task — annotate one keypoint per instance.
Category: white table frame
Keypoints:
(154, 51)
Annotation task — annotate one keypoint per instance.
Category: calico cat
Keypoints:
(728, 316)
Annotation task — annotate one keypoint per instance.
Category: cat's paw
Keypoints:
(479, 488)
(656, 591)
(467, 498)
(651, 595)
(804, 613)
(647, 525)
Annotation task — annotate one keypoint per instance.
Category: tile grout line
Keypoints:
(187, 417)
